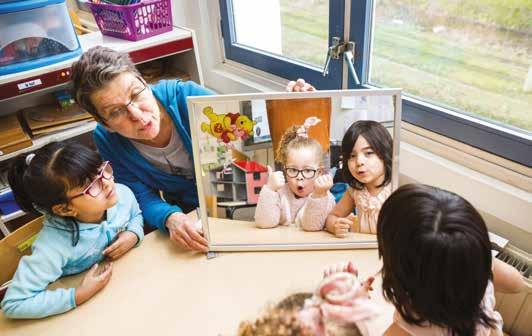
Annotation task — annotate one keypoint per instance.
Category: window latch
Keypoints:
(341, 48)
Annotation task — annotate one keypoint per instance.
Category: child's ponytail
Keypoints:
(288, 136)
(41, 180)
(296, 137)
(15, 177)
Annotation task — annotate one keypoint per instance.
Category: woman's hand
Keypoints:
(185, 233)
(126, 241)
(299, 86)
(93, 282)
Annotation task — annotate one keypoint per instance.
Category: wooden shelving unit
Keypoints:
(20, 89)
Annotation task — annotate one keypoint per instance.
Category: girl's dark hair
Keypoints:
(436, 258)
(45, 181)
(380, 141)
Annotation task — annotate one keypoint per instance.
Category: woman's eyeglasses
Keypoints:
(136, 98)
(307, 173)
(95, 188)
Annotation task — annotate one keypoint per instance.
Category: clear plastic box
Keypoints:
(35, 33)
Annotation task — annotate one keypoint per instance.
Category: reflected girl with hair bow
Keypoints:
(302, 197)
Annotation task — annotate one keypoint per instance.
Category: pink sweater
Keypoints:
(368, 207)
(283, 208)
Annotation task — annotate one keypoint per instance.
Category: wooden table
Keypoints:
(158, 289)
(225, 231)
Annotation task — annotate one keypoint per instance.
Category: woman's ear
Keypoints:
(64, 210)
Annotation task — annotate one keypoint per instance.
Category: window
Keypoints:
(464, 66)
(288, 38)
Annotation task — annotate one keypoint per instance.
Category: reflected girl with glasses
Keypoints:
(367, 168)
(87, 217)
(303, 198)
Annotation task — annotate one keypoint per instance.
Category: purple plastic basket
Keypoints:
(133, 22)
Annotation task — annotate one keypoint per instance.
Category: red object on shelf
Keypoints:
(251, 166)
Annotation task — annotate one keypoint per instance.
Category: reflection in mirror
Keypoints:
(280, 171)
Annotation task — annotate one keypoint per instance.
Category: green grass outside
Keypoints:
(469, 75)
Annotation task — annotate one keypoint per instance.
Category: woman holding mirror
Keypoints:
(144, 131)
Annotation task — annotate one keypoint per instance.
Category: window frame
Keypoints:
(489, 136)
(279, 65)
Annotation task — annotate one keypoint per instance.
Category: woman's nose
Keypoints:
(135, 113)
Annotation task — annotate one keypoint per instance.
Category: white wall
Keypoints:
(507, 209)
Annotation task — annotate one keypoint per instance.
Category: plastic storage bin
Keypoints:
(133, 22)
(35, 33)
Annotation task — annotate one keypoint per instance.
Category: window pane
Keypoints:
(470, 55)
(295, 29)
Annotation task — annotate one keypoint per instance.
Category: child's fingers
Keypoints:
(117, 253)
(343, 220)
(92, 270)
(351, 268)
(107, 276)
(111, 248)
(105, 272)
(369, 282)
(270, 170)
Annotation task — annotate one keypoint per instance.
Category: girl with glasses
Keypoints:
(87, 217)
(367, 168)
(303, 198)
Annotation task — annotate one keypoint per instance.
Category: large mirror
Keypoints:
(271, 171)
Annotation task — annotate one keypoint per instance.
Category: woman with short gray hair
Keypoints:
(144, 131)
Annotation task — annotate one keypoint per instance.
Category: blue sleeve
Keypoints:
(27, 296)
(154, 209)
(188, 89)
(136, 221)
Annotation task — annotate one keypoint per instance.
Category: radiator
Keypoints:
(516, 309)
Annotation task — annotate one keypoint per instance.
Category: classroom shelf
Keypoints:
(176, 41)
(46, 139)
(11, 216)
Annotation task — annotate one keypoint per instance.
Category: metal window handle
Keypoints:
(337, 49)
(349, 58)
(327, 62)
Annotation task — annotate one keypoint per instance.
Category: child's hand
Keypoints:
(341, 227)
(125, 242)
(275, 179)
(322, 184)
(93, 282)
(347, 267)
